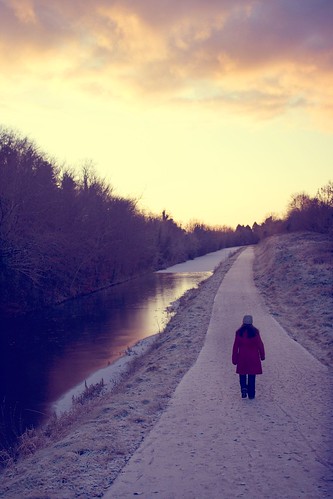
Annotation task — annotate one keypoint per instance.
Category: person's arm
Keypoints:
(261, 348)
(235, 351)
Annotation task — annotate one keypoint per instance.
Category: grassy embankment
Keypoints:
(294, 274)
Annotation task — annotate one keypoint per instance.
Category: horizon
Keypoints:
(215, 113)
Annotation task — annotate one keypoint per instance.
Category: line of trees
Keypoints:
(304, 213)
(62, 235)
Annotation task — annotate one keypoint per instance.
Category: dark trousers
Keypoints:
(248, 383)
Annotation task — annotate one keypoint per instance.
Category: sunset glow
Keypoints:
(216, 111)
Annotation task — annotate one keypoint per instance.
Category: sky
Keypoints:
(216, 111)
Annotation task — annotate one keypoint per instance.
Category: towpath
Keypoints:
(210, 443)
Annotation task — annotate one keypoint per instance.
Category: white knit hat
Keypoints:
(247, 319)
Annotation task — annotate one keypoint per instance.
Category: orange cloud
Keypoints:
(256, 56)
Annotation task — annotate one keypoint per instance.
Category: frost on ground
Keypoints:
(212, 443)
(83, 454)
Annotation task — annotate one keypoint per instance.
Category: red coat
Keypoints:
(247, 353)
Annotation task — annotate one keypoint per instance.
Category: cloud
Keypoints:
(259, 56)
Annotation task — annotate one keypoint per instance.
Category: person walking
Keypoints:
(247, 353)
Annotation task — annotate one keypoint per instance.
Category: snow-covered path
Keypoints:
(210, 443)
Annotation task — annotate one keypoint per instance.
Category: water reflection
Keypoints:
(45, 355)
(130, 312)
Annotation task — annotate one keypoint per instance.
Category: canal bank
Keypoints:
(187, 275)
(83, 451)
(48, 357)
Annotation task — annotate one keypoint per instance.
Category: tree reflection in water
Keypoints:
(46, 354)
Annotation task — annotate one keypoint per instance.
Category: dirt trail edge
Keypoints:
(211, 443)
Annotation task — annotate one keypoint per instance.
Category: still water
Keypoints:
(45, 355)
